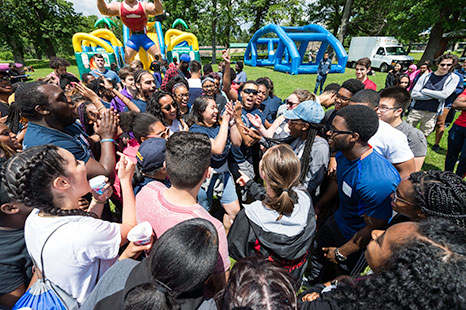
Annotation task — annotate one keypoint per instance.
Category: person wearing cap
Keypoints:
(150, 167)
(312, 150)
(181, 69)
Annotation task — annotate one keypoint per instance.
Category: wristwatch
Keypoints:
(340, 258)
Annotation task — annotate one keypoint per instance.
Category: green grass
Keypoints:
(284, 85)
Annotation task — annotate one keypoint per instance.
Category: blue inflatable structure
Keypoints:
(286, 52)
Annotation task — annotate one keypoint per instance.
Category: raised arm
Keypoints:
(231, 93)
(109, 9)
(155, 8)
(125, 169)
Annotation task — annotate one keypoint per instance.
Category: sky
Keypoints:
(87, 7)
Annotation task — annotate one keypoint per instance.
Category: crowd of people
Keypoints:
(251, 198)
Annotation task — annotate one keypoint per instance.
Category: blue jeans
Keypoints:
(320, 82)
(456, 147)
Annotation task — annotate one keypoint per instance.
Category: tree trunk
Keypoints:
(434, 45)
(17, 51)
(228, 29)
(344, 20)
(214, 32)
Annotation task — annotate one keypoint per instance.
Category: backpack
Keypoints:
(43, 294)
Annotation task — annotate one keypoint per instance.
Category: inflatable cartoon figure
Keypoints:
(134, 15)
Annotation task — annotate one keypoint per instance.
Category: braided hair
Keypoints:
(440, 194)
(306, 157)
(28, 177)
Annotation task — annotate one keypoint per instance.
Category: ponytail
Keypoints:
(281, 168)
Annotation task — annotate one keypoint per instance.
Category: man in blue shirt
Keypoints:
(365, 182)
(324, 68)
(52, 120)
(266, 101)
(102, 71)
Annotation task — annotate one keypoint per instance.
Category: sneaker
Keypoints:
(435, 148)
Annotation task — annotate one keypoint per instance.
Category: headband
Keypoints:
(208, 79)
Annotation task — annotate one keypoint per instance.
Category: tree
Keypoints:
(344, 20)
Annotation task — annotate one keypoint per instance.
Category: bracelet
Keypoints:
(102, 107)
(99, 201)
(107, 140)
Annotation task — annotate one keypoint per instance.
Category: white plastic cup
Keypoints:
(98, 183)
(141, 233)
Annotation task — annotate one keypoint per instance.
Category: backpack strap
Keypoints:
(42, 272)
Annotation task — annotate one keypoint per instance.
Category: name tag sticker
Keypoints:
(347, 189)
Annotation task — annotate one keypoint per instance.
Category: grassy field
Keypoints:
(284, 85)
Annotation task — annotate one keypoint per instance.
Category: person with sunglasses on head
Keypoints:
(365, 182)
(430, 93)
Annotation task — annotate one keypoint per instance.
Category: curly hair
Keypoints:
(353, 85)
(360, 119)
(427, 272)
(177, 79)
(259, 284)
(440, 194)
(154, 108)
(28, 177)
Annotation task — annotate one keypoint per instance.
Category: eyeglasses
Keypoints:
(290, 103)
(5, 78)
(250, 91)
(168, 107)
(396, 198)
(331, 132)
(384, 109)
(445, 65)
(342, 98)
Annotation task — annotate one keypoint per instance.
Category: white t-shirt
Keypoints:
(194, 83)
(391, 143)
(72, 254)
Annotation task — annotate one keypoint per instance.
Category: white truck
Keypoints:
(383, 52)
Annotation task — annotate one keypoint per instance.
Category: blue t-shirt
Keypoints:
(241, 77)
(212, 132)
(141, 104)
(243, 153)
(73, 139)
(270, 109)
(109, 74)
(364, 186)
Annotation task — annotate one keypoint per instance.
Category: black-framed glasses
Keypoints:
(183, 95)
(333, 131)
(342, 98)
(396, 198)
(250, 91)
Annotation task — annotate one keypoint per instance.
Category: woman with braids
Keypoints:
(431, 194)
(282, 225)
(303, 123)
(162, 106)
(416, 266)
(52, 181)
(171, 277)
(204, 117)
(179, 89)
(258, 283)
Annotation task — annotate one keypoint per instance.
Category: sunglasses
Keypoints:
(168, 107)
(163, 134)
(287, 102)
(250, 91)
(396, 198)
(5, 78)
(445, 65)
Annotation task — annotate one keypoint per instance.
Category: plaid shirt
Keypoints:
(169, 75)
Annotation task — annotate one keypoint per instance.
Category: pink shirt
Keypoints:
(152, 206)
(368, 84)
